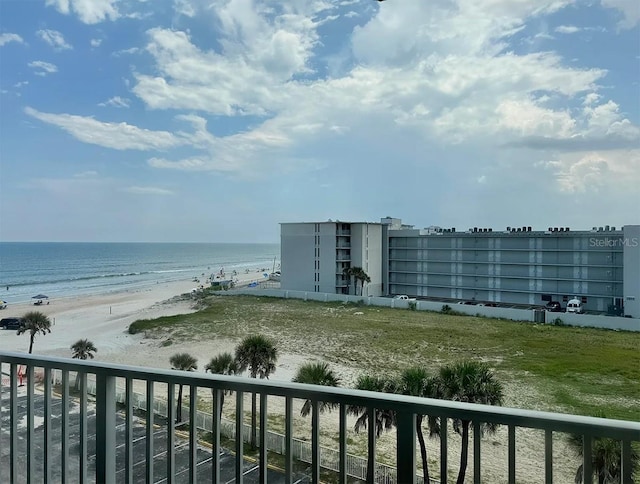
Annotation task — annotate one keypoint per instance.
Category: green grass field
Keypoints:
(573, 370)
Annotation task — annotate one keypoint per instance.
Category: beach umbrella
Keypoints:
(40, 296)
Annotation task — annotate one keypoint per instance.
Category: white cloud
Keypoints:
(629, 9)
(43, 68)
(6, 38)
(54, 38)
(589, 172)
(567, 29)
(138, 190)
(118, 136)
(21, 83)
(96, 42)
(131, 50)
(116, 102)
(260, 51)
(88, 11)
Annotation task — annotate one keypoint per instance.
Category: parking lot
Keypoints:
(204, 456)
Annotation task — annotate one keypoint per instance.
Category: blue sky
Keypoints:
(213, 121)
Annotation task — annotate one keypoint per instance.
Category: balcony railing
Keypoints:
(109, 440)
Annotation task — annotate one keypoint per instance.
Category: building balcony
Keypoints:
(75, 421)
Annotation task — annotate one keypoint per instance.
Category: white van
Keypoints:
(575, 306)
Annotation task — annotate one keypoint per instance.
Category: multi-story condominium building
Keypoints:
(517, 266)
(315, 256)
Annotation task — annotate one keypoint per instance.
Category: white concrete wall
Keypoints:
(584, 320)
(595, 321)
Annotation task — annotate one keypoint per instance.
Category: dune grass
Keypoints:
(577, 370)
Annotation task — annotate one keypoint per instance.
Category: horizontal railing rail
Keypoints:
(405, 407)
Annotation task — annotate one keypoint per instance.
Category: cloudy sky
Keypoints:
(214, 120)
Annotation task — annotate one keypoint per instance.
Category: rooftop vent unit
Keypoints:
(550, 229)
(528, 229)
(453, 229)
(508, 229)
(606, 227)
(600, 229)
(490, 230)
(566, 229)
(594, 229)
(613, 229)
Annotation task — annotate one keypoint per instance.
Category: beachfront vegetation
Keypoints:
(359, 275)
(83, 349)
(606, 459)
(544, 367)
(417, 382)
(34, 322)
(471, 382)
(384, 419)
(184, 362)
(223, 364)
(316, 374)
(259, 355)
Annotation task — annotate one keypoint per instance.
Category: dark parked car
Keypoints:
(554, 307)
(11, 323)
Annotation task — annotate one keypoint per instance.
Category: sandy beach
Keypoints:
(105, 318)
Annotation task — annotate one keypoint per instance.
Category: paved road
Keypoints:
(204, 456)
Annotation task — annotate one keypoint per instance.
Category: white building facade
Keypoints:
(314, 256)
(518, 266)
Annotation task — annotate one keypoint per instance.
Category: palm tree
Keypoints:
(34, 322)
(606, 458)
(316, 374)
(83, 349)
(360, 276)
(348, 273)
(417, 382)
(384, 419)
(258, 354)
(184, 362)
(472, 382)
(223, 364)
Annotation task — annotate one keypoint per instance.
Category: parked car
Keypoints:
(575, 306)
(554, 307)
(404, 297)
(11, 323)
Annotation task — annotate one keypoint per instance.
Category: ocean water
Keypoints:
(67, 269)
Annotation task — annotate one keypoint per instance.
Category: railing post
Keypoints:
(406, 446)
(343, 444)
(548, 456)
(105, 428)
(587, 461)
(288, 442)
(476, 452)
(626, 461)
(315, 441)
(444, 449)
(371, 445)
(239, 437)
